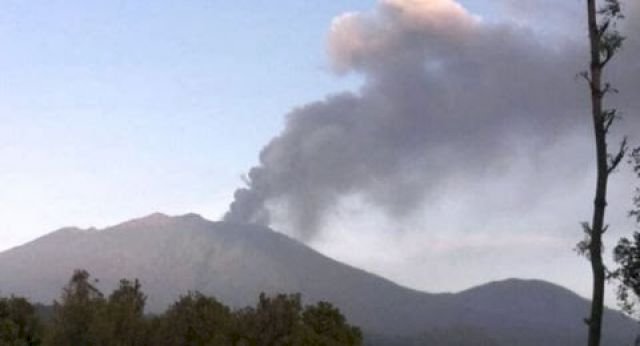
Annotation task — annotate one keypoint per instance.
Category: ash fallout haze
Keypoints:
(438, 143)
(467, 137)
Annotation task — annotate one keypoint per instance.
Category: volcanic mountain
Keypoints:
(235, 262)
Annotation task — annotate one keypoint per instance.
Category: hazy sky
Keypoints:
(111, 110)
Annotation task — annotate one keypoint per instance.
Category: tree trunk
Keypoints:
(600, 202)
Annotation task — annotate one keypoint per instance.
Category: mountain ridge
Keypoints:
(235, 262)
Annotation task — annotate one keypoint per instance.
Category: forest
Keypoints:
(85, 316)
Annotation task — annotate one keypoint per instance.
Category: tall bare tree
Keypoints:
(605, 41)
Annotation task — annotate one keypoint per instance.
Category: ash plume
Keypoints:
(445, 93)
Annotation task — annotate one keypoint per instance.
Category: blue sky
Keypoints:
(111, 110)
(115, 109)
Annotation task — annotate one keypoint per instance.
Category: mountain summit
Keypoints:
(235, 262)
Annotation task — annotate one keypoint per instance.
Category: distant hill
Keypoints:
(173, 255)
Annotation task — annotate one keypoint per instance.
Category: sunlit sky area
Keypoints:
(115, 109)
(111, 110)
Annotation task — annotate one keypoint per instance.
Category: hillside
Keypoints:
(172, 255)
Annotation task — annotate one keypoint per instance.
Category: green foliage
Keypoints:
(19, 325)
(627, 254)
(274, 321)
(84, 317)
(329, 326)
(611, 40)
(281, 321)
(194, 320)
(635, 160)
(73, 316)
(121, 320)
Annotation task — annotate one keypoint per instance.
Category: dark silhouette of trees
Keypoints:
(605, 41)
(328, 326)
(84, 317)
(627, 255)
(19, 324)
(274, 321)
(282, 321)
(74, 314)
(194, 320)
(120, 321)
(635, 212)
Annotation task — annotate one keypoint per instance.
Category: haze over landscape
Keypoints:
(234, 263)
(437, 145)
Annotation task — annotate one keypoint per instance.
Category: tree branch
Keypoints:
(608, 116)
(614, 161)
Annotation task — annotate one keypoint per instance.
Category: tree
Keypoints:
(328, 327)
(627, 255)
(635, 155)
(281, 321)
(605, 41)
(275, 321)
(19, 325)
(194, 320)
(75, 313)
(121, 321)
(84, 317)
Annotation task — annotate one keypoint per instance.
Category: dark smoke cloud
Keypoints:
(445, 94)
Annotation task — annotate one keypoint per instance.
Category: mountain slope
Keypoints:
(172, 255)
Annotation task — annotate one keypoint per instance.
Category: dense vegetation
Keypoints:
(84, 316)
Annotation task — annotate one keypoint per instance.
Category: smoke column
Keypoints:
(444, 93)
